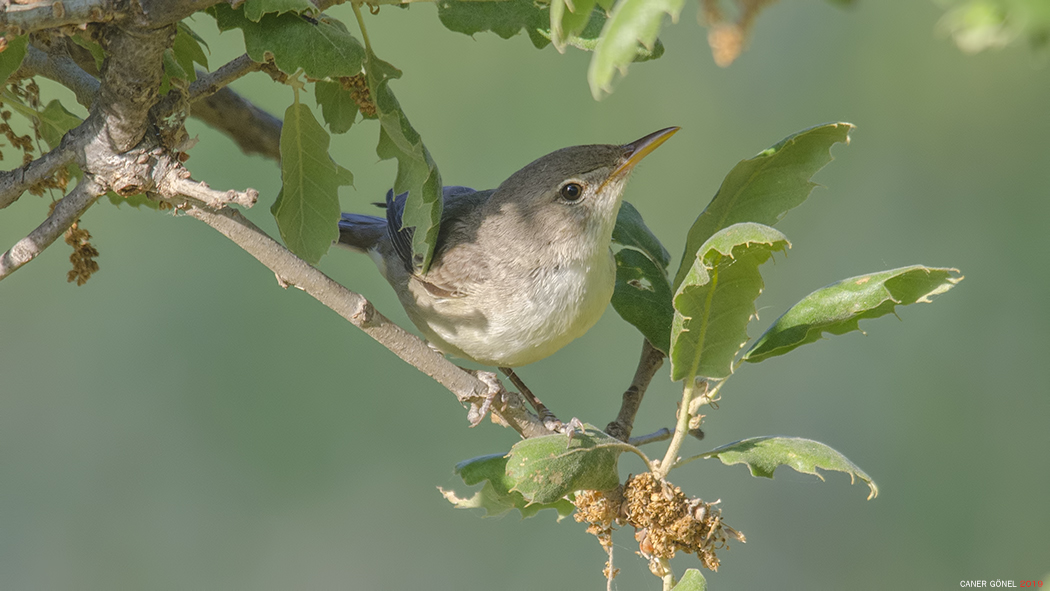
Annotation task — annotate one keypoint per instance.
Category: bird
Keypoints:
(518, 271)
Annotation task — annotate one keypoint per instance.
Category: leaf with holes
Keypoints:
(839, 307)
(764, 454)
(643, 294)
(717, 300)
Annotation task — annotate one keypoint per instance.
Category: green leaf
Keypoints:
(55, 121)
(417, 174)
(307, 208)
(643, 294)
(839, 307)
(762, 189)
(643, 297)
(93, 48)
(254, 10)
(763, 454)
(692, 580)
(631, 231)
(506, 18)
(11, 57)
(545, 469)
(495, 497)
(630, 23)
(338, 108)
(568, 18)
(188, 50)
(717, 299)
(323, 48)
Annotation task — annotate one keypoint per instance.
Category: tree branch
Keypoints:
(67, 211)
(650, 361)
(15, 182)
(26, 17)
(508, 407)
(210, 83)
(61, 69)
(255, 131)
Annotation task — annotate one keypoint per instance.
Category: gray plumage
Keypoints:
(519, 271)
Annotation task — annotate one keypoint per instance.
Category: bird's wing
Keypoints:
(401, 237)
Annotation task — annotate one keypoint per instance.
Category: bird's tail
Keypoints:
(361, 232)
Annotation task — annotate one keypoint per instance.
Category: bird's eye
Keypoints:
(571, 191)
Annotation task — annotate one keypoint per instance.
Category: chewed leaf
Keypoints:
(417, 173)
(506, 18)
(545, 469)
(643, 297)
(630, 23)
(763, 454)
(495, 497)
(839, 307)
(762, 189)
(717, 299)
(630, 230)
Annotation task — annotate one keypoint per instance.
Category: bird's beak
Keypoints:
(638, 149)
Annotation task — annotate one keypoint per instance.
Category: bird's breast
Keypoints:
(523, 314)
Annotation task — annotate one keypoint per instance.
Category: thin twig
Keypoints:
(210, 83)
(67, 211)
(61, 69)
(651, 360)
(26, 17)
(662, 435)
(212, 198)
(255, 131)
(291, 270)
(15, 182)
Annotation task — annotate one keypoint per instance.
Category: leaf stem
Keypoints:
(361, 23)
(681, 429)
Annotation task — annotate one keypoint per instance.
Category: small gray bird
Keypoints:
(518, 271)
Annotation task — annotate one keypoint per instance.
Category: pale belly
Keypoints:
(506, 327)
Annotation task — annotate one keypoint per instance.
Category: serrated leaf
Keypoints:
(495, 497)
(506, 18)
(764, 188)
(338, 108)
(692, 580)
(839, 307)
(55, 121)
(717, 299)
(545, 469)
(763, 454)
(254, 10)
(630, 23)
(643, 294)
(567, 18)
(307, 208)
(417, 174)
(11, 57)
(322, 47)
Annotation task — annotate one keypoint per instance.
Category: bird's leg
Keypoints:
(546, 416)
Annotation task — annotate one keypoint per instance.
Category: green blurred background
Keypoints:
(181, 422)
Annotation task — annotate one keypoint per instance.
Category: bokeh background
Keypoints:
(181, 422)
